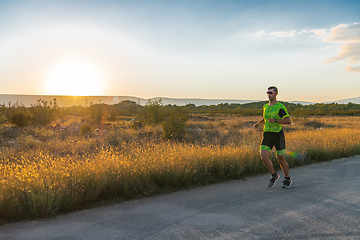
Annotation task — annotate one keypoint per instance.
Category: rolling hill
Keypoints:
(68, 101)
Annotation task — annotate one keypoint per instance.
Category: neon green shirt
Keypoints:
(277, 111)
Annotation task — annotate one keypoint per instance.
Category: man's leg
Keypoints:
(283, 164)
(285, 168)
(280, 154)
(269, 166)
(266, 161)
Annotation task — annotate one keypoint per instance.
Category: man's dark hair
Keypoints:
(273, 88)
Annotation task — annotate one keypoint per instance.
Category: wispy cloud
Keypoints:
(351, 49)
(281, 34)
(353, 69)
(319, 33)
(340, 33)
(260, 33)
(347, 33)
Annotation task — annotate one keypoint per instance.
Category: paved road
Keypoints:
(323, 203)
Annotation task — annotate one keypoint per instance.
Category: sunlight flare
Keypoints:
(75, 77)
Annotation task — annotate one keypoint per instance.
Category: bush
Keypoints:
(126, 108)
(112, 116)
(3, 112)
(20, 119)
(85, 129)
(98, 113)
(42, 113)
(153, 113)
(174, 125)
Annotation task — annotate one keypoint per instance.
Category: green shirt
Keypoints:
(277, 111)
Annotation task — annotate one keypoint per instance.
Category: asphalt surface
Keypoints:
(322, 203)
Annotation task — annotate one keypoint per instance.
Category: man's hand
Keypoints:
(258, 123)
(271, 120)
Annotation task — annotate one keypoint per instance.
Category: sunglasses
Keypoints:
(270, 92)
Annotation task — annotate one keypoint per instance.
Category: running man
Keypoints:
(274, 115)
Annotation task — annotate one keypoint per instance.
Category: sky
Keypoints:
(205, 49)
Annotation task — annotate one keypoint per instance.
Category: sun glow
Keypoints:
(75, 77)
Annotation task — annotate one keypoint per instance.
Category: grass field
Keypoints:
(45, 171)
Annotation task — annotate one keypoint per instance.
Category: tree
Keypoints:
(98, 112)
(153, 113)
(125, 108)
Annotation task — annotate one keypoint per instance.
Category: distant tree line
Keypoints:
(255, 108)
(154, 112)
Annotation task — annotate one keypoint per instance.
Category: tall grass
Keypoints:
(46, 175)
(325, 144)
(46, 185)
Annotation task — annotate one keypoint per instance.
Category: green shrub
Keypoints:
(112, 116)
(42, 113)
(85, 129)
(153, 114)
(3, 112)
(20, 119)
(126, 108)
(98, 112)
(174, 125)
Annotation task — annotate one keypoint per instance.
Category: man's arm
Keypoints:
(285, 120)
(259, 122)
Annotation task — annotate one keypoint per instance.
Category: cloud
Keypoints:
(319, 33)
(260, 33)
(348, 50)
(349, 34)
(351, 49)
(345, 33)
(281, 34)
(353, 69)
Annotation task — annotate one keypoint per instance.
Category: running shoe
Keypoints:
(273, 180)
(287, 183)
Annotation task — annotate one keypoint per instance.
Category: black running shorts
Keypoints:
(271, 139)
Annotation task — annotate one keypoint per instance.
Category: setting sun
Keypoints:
(74, 77)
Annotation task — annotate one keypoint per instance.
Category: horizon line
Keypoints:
(174, 98)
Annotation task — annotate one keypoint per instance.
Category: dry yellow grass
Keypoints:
(48, 172)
